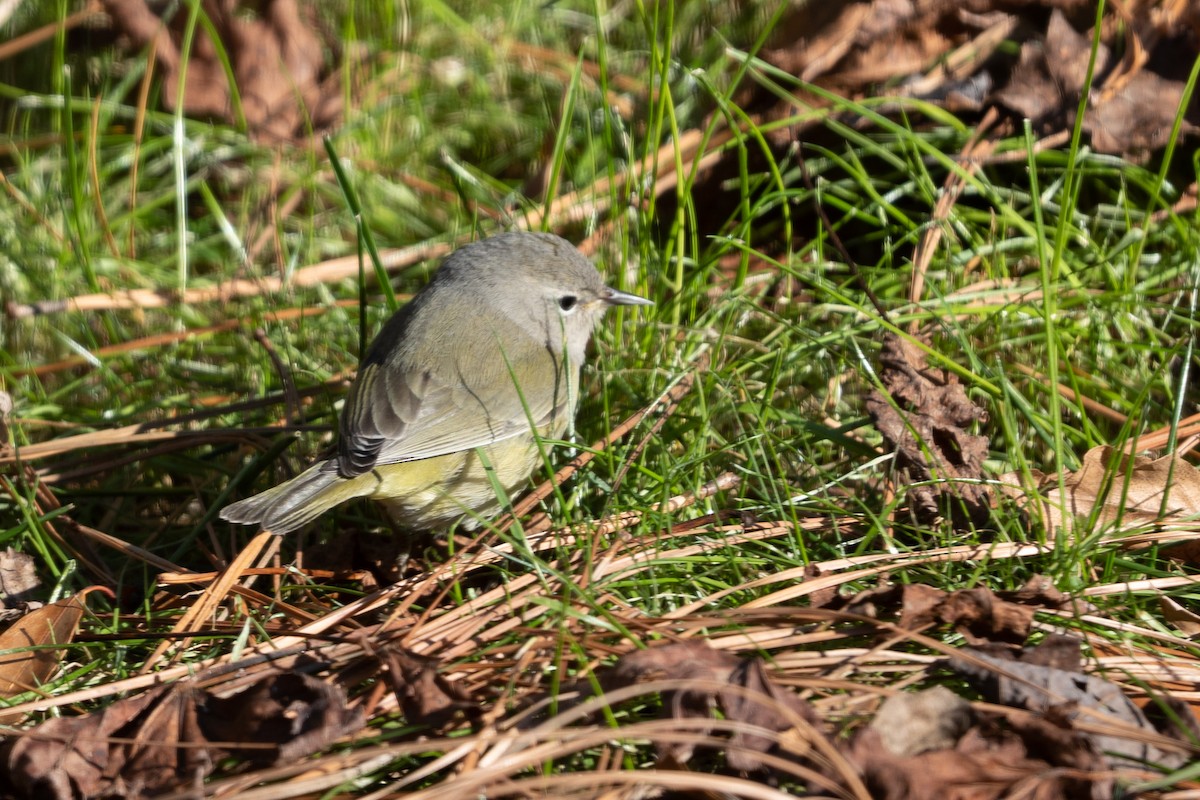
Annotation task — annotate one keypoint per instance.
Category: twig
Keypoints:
(330, 271)
(130, 435)
(1070, 394)
(35, 37)
(212, 597)
(291, 398)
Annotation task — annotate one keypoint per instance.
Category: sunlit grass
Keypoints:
(454, 132)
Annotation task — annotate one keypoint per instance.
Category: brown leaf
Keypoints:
(277, 63)
(1045, 689)
(1065, 54)
(813, 40)
(162, 755)
(978, 614)
(1057, 651)
(1139, 489)
(752, 697)
(1132, 116)
(1113, 489)
(1040, 591)
(27, 656)
(956, 54)
(1137, 120)
(693, 660)
(1173, 716)
(876, 601)
(69, 758)
(763, 704)
(297, 713)
(919, 605)
(1185, 621)
(924, 417)
(173, 735)
(425, 696)
(1054, 738)
(821, 598)
(977, 769)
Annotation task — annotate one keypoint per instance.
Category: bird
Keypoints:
(456, 389)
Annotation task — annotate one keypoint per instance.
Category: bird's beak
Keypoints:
(614, 298)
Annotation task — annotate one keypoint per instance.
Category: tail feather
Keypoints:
(295, 503)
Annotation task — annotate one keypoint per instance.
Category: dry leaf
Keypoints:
(1174, 717)
(977, 614)
(19, 584)
(924, 417)
(957, 54)
(69, 757)
(1049, 690)
(1040, 591)
(18, 578)
(173, 735)
(425, 696)
(982, 766)
(296, 713)
(934, 745)
(1133, 118)
(27, 658)
(1185, 621)
(276, 59)
(1113, 489)
(1057, 651)
(980, 615)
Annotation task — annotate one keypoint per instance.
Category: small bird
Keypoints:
(459, 381)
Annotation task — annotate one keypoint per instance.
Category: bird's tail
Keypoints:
(295, 503)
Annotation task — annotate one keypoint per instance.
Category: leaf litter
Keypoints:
(925, 417)
(174, 735)
(1048, 726)
(949, 52)
(28, 647)
(772, 720)
(276, 58)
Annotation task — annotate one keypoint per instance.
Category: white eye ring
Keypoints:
(568, 303)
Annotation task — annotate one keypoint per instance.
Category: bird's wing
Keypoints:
(394, 415)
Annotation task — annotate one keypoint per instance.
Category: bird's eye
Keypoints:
(567, 302)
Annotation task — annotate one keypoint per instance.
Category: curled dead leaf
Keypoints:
(924, 415)
(979, 614)
(174, 735)
(1186, 621)
(28, 657)
(1065, 696)
(985, 764)
(424, 694)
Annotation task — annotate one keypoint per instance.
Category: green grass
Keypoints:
(1066, 261)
